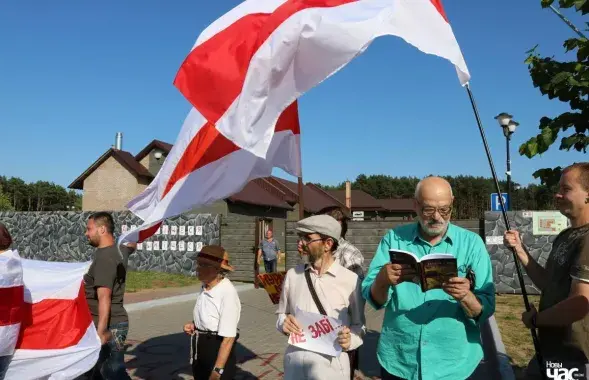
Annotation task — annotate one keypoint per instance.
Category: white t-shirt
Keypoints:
(218, 309)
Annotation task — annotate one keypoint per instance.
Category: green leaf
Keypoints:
(546, 3)
(567, 142)
(548, 136)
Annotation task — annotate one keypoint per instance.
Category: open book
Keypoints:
(432, 270)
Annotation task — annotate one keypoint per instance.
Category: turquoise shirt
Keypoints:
(427, 335)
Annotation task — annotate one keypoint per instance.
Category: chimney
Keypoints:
(119, 141)
(348, 195)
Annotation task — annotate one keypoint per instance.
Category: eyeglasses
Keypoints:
(430, 211)
(307, 240)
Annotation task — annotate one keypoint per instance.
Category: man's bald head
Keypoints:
(433, 187)
(433, 205)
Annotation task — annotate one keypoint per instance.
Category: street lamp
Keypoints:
(509, 126)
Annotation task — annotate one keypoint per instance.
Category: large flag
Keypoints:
(243, 77)
(251, 63)
(204, 166)
(11, 301)
(57, 338)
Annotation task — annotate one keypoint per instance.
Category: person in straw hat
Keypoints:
(215, 318)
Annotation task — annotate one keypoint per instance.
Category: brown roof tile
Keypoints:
(360, 200)
(254, 193)
(124, 158)
(314, 199)
(397, 204)
(155, 144)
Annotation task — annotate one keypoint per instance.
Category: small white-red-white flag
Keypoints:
(57, 338)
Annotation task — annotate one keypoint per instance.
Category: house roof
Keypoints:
(360, 200)
(314, 199)
(154, 144)
(397, 204)
(254, 193)
(124, 158)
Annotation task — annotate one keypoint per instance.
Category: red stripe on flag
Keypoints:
(208, 146)
(11, 305)
(148, 232)
(440, 8)
(54, 323)
(212, 75)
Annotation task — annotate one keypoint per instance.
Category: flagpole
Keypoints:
(566, 21)
(507, 226)
(301, 197)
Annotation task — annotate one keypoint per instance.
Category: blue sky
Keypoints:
(74, 73)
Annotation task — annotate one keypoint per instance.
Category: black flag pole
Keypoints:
(507, 226)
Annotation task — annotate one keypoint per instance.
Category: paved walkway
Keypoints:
(160, 350)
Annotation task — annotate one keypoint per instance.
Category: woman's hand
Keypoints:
(344, 338)
(189, 328)
(291, 325)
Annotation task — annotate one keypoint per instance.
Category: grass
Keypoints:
(137, 281)
(516, 337)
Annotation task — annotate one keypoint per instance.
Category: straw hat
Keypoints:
(215, 255)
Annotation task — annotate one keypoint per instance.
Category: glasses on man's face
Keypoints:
(430, 211)
(307, 239)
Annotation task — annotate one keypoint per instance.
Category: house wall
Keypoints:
(110, 187)
(151, 163)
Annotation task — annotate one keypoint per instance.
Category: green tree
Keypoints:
(567, 81)
(5, 204)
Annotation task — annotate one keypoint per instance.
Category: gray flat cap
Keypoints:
(320, 224)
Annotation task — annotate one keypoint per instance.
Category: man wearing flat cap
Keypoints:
(338, 295)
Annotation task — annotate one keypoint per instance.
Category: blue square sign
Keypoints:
(496, 203)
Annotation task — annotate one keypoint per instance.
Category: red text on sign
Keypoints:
(322, 327)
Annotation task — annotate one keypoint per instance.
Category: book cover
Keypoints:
(432, 270)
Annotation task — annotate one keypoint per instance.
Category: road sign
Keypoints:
(496, 203)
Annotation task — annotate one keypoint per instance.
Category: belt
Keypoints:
(207, 332)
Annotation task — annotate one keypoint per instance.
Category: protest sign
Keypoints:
(319, 333)
(272, 282)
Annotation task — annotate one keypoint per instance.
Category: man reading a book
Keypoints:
(562, 318)
(432, 334)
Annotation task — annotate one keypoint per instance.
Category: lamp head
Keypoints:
(512, 126)
(503, 119)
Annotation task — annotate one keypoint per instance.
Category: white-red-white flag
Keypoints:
(243, 77)
(252, 62)
(57, 338)
(11, 301)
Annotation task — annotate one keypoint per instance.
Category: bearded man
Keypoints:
(433, 334)
(104, 285)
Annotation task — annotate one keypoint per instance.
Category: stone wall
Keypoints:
(504, 271)
(59, 236)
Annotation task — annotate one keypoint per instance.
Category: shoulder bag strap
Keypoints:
(313, 293)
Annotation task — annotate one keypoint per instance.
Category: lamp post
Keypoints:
(509, 126)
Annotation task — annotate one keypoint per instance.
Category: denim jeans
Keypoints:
(111, 361)
(4, 361)
(270, 265)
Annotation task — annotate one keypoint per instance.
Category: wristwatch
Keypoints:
(218, 370)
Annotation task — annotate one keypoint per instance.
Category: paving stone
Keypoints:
(158, 348)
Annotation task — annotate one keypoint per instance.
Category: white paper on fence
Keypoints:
(324, 343)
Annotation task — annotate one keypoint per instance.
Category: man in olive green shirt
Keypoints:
(562, 318)
(104, 285)
(432, 335)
